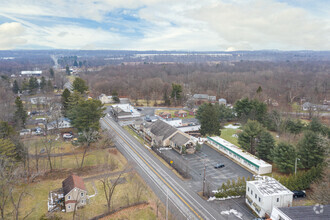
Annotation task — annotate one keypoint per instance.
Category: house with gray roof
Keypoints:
(164, 135)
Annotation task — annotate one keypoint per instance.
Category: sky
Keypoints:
(193, 25)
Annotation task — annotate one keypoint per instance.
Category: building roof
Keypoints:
(164, 113)
(222, 100)
(72, 182)
(201, 96)
(161, 128)
(269, 186)
(212, 98)
(179, 139)
(239, 152)
(180, 112)
(307, 212)
(126, 109)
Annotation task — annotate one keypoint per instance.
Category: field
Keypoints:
(98, 163)
(227, 134)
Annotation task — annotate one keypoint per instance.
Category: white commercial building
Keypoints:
(31, 73)
(265, 193)
(245, 159)
(175, 122)
(124, 111)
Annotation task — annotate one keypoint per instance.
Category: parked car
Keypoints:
(139, 109)
(67, 136)
(300, 193)
(219, 165)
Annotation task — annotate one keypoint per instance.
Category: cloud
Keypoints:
(11, 35)
(171, 24)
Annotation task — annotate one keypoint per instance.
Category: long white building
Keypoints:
(31, 73)
(245, 159)
(265, 193)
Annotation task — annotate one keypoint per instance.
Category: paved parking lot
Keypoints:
(214, 177)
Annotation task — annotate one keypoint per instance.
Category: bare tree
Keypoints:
(7, 175)
(139, 189)
(17, 204)
(109, 188)
(89, 136)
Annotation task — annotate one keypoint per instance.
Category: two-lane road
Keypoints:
(184, 203)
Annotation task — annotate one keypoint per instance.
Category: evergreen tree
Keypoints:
(6, 130)
(15, 87)
(65, 100)
(67, 70)
(33, 84)
(176, 92)
(25, 84)
(49, 86)
(294, 127)
(86, 114)
(74, 99)
(311, 149)
(43, 83)
(249, 137)
(265, 145)
(79, 85)
(115, 97)
(251, 109)
(284, 156)
(209, 118)
(20, 114)
(7, 148)
(51, 72)
(316, 126)
(75, 63)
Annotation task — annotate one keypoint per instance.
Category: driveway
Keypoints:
(194, 163)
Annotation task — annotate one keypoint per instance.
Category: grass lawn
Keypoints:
(143, 102)
(158, 111)
(124, 193)
(227, 134)
(131, 132)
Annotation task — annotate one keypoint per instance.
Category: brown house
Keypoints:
(164, 135)
(74, 192)
(165, 115)
(193, 111)
(180, 114)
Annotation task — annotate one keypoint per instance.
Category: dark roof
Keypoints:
(179, 139)
(71, 182)
(160, 128)
(307, 212)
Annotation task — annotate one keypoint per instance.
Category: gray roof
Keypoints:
(179, 139)
(307, 212)
(201, 96)
(160, 128)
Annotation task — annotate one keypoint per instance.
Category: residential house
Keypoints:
(193, 111)
(165, 115)
(164, 135)
(74, 192)
(180, 114)
(307, 106)
(265, 193)
(59, 124)
(222, 101)
(68, 85)
(105, 99)
(316, 212)
(202, 98)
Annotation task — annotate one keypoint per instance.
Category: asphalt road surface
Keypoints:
(208, 157)
(185, 204)
(183, 201)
